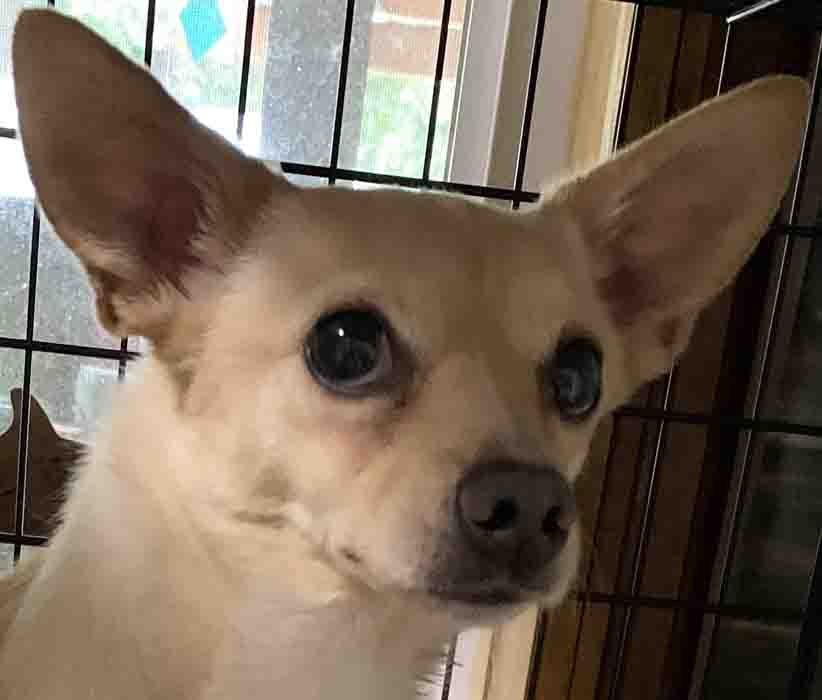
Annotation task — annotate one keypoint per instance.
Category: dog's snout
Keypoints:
(515, 516)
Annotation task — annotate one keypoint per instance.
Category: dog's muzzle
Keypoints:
(511, 521)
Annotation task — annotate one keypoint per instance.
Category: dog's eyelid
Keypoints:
(573, 330)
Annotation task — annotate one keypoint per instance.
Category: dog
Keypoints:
(359, 426)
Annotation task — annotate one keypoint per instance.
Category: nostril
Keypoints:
(552, 523)
(502, 517)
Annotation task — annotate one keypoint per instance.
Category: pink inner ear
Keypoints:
(626, 292)
(660, 233)
(173, 211)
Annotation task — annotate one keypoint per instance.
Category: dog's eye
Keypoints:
(349, 352)
(574, 378)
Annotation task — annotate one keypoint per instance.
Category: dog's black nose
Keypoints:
(515, 516)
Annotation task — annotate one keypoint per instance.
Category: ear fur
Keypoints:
(670, 221)
(140, 191)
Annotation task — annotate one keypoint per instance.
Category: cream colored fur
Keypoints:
(237, 532)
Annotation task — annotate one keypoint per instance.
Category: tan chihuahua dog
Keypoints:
(360, 425)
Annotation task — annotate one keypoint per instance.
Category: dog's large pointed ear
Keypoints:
(139, 190)
(672, 219)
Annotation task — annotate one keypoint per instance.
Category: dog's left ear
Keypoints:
(671, 220)
(143, 194)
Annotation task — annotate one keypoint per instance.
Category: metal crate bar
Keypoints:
(537, 649)
(807, 12)
(773, 317)
(408, 182)
(759, 425)
(638, 564)
(530, 96)
(23, 437)
(810, 636)
(613, 441)
(251, 11)
(715, 7)
(519, 177)
(751, 613)
(148, 54)
(123, 361)
(628, 78)
(151, 19)
(326, 172)
(68, 349)
(435, 93)
(343, 79)
(20, 541)
(795, 231)
(753, 9)
(448, 671)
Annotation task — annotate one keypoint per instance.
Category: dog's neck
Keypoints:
(168, 615)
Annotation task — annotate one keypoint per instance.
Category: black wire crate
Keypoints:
(805, 12)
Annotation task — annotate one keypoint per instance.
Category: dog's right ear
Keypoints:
(670, 221)
(142, 193)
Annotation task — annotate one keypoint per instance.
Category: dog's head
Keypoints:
(411, 381)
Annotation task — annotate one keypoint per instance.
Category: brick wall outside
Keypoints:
(405, 41)
(404, 46)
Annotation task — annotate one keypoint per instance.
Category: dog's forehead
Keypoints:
(450, 235)
(393, 221)
(436, 254)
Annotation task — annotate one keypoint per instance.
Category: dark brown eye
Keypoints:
(348, 352)
(574, 378)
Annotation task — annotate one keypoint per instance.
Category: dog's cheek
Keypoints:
(388, 542)
(317, 443)
(362, 470)
(388, 520)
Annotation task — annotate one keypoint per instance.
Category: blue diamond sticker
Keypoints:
(203, 24)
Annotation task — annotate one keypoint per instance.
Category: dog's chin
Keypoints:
(487, 605)
(492, 597)
(454, 608)
(481, 606)
(492, 600)
(452, 587)
(481, 603)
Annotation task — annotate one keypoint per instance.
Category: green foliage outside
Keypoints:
(395, 125)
